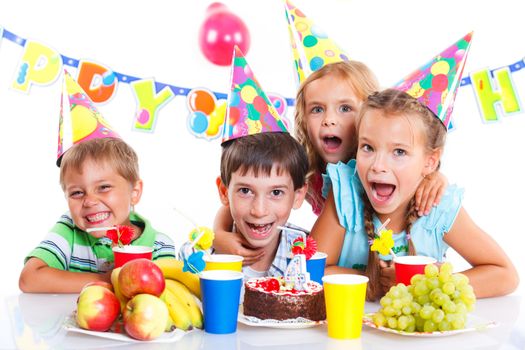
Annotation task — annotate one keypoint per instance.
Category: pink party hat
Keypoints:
(249, 109)
(79, 119)
(436, 83)
(311, 47)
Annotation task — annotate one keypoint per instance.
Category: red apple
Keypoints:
(141, 276)
(99, 283)
(97, 308)
(145, 317)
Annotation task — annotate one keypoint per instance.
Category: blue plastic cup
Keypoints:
(315, 266)
(220, 292)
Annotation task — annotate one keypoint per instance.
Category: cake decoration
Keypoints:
(296, 274)
(300, 247)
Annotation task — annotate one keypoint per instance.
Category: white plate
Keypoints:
(285, 324)
(473, 324)
(70, 324)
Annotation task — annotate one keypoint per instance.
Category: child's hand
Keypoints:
(235, 243)
(429, 192)
(387, 276)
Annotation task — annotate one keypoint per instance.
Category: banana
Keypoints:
(184, 294)
(114, 281)
(169, 325)
(172, 269)
(178, 311)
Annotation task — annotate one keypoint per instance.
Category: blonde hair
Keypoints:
(394, 103)
(363, 82)
(113, 151)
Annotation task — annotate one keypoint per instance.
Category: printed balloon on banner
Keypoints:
(206, 113)
(220, 32)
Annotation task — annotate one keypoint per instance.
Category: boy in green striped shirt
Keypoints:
(101, 182)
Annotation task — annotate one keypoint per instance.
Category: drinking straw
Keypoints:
(94, 229)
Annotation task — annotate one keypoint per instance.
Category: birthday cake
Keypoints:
(270, 298)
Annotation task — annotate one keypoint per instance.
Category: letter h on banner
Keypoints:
(496, 90)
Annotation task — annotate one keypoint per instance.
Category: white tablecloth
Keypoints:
(35, 321)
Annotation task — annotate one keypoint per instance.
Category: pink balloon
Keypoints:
(220, 32)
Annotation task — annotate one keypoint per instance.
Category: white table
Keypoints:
(34, 321)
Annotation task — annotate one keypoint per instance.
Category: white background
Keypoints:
(160, 39)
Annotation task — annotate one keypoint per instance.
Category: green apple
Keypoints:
(97, 308)
(145, 317)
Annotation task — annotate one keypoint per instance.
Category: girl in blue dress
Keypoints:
(399, 142)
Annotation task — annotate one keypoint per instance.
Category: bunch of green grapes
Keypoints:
(435, 301)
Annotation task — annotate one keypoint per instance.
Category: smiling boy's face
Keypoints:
(259, 204)
(98, 196)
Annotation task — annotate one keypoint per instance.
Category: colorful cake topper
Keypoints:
(308, 248)
(311, 47)
(383, 241)
(192, 252)
(79, 118)
(249, 111)
(202, 237)
(296, 274)
(119, 235)
(299, 243)
(302, 248)
(436, 83)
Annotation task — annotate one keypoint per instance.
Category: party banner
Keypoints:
(42, 65)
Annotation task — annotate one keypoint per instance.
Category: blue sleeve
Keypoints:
(442, 217)
(327, 185)
(347, 190)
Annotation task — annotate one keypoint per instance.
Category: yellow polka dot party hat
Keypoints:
(311, 47)
(436, 83)
(79, 118)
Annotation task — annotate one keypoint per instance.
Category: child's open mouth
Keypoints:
(332, 142)
(97, 218)
(382, 191)
(260, 230)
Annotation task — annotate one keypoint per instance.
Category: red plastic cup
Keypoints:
(410, 265)
(131, 252)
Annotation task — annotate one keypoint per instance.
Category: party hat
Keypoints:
(311, 47)
(436, 83)
(79, 119)
(249, 109)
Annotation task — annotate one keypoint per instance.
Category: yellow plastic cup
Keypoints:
(223, 262)
(345, 304)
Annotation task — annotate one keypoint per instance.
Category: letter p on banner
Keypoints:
(39, 65)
